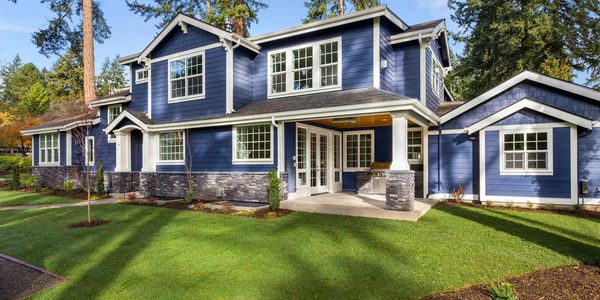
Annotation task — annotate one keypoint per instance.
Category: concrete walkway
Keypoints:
(358, 205)
(48, 206)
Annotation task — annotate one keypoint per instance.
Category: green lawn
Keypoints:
(148, 253)
(10, 198)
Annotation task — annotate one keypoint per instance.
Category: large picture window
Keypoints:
(186, 78)
(49, 149)
(171, 146)
(359, 150)
(253, 144)
(526, 152)
(305, 68)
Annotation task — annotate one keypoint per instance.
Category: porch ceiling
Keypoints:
(380, 120)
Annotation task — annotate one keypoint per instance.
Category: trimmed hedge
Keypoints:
(9, 162)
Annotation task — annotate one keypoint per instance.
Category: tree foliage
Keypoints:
(111, 77)
(36, 102)
(324, 9)
(241, 12)
(503, 38)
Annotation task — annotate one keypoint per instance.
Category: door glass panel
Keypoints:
(313, 159)
(323, 156)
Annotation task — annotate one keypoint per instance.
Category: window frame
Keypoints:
(171, 162)
(306, 168)
(137, 75)
(549, 171)
(436, 83)
(46, 163)
(249, 161)
(408, 144)
(113, 138)
(87, 161)
(200, 96)
(316, 69)
(345, 150)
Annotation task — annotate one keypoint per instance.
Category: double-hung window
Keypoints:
(113, 112)
(49, 149)
(526, 152)
(414, 146)
(437, 76)
(89, 151)
(253, 144)
(141, 75)
(186, 78)
(171, 146)
(305, 68)
(359, 150)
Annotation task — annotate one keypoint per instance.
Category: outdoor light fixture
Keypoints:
(384, 64)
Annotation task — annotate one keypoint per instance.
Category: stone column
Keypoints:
(400, 188)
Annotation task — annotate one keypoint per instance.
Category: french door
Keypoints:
(319, 163)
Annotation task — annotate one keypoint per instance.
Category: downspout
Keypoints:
(278, 144)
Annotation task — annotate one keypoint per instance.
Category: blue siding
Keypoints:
(436, 49)
(139, 92)
(243, 70)
(212, 105)
(433, 99)
(588, 158)
(543, 94)
(386, 52)
(63, 148)
(407, 69)
(290, 152)
(136, 150)
(555, 186)
(176, 41)
(455, 164)
(357, 55)
(526, 116)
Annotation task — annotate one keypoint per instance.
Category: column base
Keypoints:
(400, 190)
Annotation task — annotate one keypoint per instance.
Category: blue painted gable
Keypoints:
(407, 69)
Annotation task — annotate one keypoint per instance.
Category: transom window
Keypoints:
(253, 143)
(359, 150)
(49, 149)
(141, 75)
(186, 78)
(437, 77)
(89, 150)
(305, 68)
(171, 146)
(527, 152)
(414, 146)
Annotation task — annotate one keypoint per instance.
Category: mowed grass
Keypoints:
(154, 253)
(13, 198)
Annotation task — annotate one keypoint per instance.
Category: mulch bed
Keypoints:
(84, 224)
(571, 282)
(19, 281)
(197, 205)
(569, 212)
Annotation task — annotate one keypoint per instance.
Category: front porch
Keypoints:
(358, 205)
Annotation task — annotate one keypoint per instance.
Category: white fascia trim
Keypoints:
(128, 59)
(376, 52)
(125, 114)
(228, 76)
(525, 75)
(190, 52)
(332, 22)
(61, 128)
(183, 19)
(448, 131)
(533, 105)
(109, 101)
(417, 34)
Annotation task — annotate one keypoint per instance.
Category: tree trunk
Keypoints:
(89, 86)
(342, 7)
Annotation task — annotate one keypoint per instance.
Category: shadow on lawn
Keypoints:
(545, 238)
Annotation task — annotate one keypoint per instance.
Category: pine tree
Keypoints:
(324, 9)
(111, 77)
(36, 102)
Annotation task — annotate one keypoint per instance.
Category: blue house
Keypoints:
(354, 103)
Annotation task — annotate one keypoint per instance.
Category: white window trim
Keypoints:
(190, 97)
(108, 138)
(171, 162)
(345, 148)
(416, 161)
(316, 69)
(550, 157)
(87, 162)
(237, 161)
(48, 164)
(137, 75)
(434, 61)
(306, 162)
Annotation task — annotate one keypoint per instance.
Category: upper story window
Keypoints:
(186, 78)
(141, 75)
(359, 150)
(49, 149)
(437, 76)
(306, 68)
(253, 144)
(526, 152)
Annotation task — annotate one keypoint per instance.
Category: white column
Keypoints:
(399, 142)
(123, 152)
(148, 152)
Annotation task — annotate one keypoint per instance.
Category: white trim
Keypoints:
(596, 124)
(66, 127)
(425, 157)
(108, 138)
(172, 162)
(345, 135)
(527, 126)
(128, 128)
(549, 171)
(444, 196)
(447, 131)
(331, 22)
(281, 148)
(87, 162)
(525, 75)
(526, 199)
(482, 183)
(125, 114)
(316, 68)
(137, 75)
(415, 161)
(53, 163)
(435, 62)
(190, 52)
(432, 32)
(109, 101)
(228, 76)
(150, 90)
(68, 155)
(183, 57)
(573, 162)
(533, 105)
(376, 53)
(236, 161)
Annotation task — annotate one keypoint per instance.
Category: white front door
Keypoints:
(319, 161)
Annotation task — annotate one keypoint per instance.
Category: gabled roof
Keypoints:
(64, 123)
(435, 29)
(447, 106)
(137, 117)
(121, 96)
(524, 76)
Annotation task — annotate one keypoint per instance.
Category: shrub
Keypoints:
(131, 196)
(9, 162)
(550, 205)
(458, 193)
(29, 181)
(16, 177)
(188, 198)
(489, 203)
(529, 204)
(509, 204)
(100, 179)
(502, 291)
(244, 213)
(274, 190)
(69, 185)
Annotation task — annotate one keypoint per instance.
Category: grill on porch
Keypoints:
(378, 179)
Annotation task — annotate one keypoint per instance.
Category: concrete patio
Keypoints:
(358, 205)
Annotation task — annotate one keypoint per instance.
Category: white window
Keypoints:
(301, 156)
(359, 150)
(49, 149)
(113, 112)
(414, 146)
(437, 76)
(186, 78)
(253, 144)
(171, 146)
(526, 152)
(305, 69)
(141, 75)
(89, 150)
(337, 158)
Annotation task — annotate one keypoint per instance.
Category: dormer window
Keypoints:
(186, 78)
(141, 75)
(305, 69)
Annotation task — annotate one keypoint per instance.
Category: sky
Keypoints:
(130, 34)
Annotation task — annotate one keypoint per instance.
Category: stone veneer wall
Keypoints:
(56, 176)
(400, 190)
(123, 182)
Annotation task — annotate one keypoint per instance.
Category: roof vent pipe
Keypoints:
(229, 24)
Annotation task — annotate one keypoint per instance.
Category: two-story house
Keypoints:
(329, 105)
